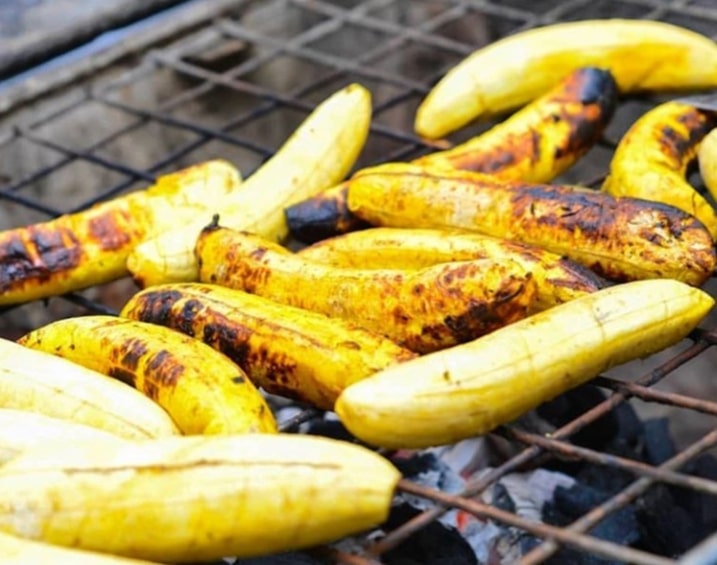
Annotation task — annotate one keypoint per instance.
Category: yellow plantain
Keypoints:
(197, 498)
(470, 389)
(618, 238)
(21, 430)
(651, 160)
(199, 387)
(80, 250)
(558, 280)
(19, 551)
(421, 310)
(707, 159)
(642, 55)
(40, 382)
(317, 155)
(288, 351)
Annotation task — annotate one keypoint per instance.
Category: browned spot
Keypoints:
(350, 345)
(133, 351)
(121, 374)
(163, 370)
(258, 253)
(106, 229)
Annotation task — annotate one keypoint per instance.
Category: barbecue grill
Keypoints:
(232, 79)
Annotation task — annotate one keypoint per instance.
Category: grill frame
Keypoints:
(179, 44)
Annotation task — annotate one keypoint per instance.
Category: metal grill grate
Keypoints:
(271, 62)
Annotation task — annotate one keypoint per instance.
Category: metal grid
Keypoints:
(392, 45)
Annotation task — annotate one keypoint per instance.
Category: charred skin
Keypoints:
(287, 351)
(422, 310)
(76, 251)
(707, 157)
(558, 279)
(651, 160)
(535, 144)
(620, 239)
(203, 391)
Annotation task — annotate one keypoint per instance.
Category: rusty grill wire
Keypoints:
(398, 51)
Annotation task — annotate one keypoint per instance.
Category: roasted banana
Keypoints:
(643, 55)
(421, 310)
(21, 430)
(317, 155)
(618, 238)
(470, 389)
(558, 280)
(651, 160)
(199, 498)
(40, 382)
(287, 351)
(707, 159)
(536, 144)
(199, 387)
(76, 251)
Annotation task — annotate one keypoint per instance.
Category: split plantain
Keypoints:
(651, 160)
(470, 389)
(317, 155)
(40, 382)
(558, 280)
(199, 387)
(642, 55)
(707, 159)
(87, 248)
(196, 498)
(421, 310)
(287, 351)
(619, 238)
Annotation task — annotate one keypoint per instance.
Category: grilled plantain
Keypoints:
(619, 238)
(317, 155)
(40, 382)
(558, 280)
(651, 160)
(421, 310)
(199, 387)
(707, 159)
(197, 498)
(76, 251)
(642, 55)
(470, 389)
(287, 351)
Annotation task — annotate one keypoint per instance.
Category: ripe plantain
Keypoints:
(642, 55)
(651, 160)
(317, 155)
(707, 159)
(21, 430)
(470, 389)
(536, 144)
(40, 382)
(619, 238)
(421, 310)
(288, 351)
(199, 387)
(558, 280)
(76, 251)
(196, 498)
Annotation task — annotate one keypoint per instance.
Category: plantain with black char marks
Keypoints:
(201, 389)
(652, 158)
(620, 239)
(287, 351)
(535, 144)
(422, 310)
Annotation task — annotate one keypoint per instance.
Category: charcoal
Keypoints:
(328, 428)
(435, 544)
(658, 444)
(293, 558)
(702, 506)
(502, 499)
(565, 555)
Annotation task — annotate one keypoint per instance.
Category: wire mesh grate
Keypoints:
(237, 85)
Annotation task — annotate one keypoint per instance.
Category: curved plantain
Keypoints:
(642, 55)
(199, 387)
(707, 159)
(557, 279)
(651, 160)
(317, 155)
(79, 250)
(535, 144)
(40, 382)
(196, 498)
(618, 238)
(421, 310)
(287, 351)
(470, 389)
